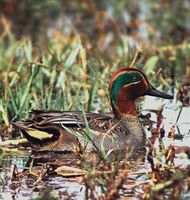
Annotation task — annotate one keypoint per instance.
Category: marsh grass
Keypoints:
(56, 79)
(63, 73)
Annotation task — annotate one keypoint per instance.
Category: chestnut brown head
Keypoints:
(126, 85)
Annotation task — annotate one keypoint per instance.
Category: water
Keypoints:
(73, 188)
(26, 188)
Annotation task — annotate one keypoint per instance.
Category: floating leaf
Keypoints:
(17, 142)
(69, 171)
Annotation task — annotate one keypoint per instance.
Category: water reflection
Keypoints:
(24, 187)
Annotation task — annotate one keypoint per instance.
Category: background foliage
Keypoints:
(58, 54)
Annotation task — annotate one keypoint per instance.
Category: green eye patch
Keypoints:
(121, 81)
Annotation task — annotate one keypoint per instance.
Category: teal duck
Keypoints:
(48, 130)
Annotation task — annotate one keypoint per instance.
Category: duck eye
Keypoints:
(134, 78)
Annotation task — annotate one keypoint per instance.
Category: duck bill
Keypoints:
(156, 93)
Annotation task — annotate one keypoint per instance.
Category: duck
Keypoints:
(51, 130)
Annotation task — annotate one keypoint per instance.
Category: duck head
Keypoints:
(125, 86)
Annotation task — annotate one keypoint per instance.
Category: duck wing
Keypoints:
(44, 127)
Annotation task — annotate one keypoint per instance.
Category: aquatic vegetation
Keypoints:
(69, 66)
